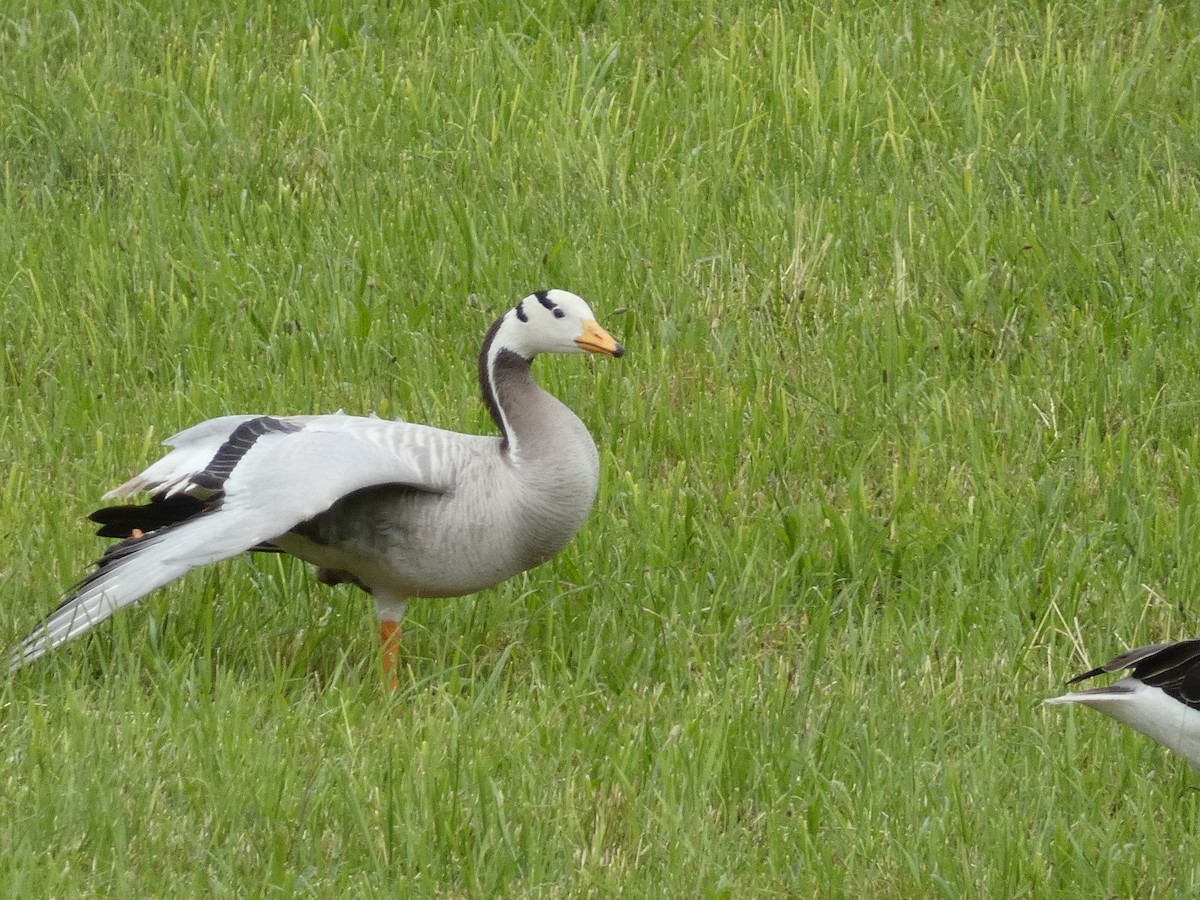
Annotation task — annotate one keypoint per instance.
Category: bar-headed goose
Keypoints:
(1160, 699)
(398, 509)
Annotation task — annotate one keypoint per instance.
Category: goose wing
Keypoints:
(1160, 698)
(258, 478)
(1174, 668)
(193, 450)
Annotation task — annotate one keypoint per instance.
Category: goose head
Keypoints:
(553, 321)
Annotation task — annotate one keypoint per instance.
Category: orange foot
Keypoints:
(389, 636)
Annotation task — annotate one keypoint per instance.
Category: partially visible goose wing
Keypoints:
(1173, 668)
(1160, 698)
(259, 477)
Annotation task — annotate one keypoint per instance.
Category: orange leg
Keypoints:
(389, 610)
(389, 636)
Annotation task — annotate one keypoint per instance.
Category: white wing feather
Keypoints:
(192, 450)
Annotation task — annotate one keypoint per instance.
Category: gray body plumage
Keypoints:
(501, 516)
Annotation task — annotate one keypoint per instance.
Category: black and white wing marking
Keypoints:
(261, 478)
(192, 450)
(1173, 668)
(1159, 698)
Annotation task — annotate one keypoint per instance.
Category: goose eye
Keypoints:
(558, 313)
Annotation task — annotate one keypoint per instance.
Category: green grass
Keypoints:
(904, 438)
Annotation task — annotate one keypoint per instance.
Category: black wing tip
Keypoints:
(1099, 670)
(135, 520)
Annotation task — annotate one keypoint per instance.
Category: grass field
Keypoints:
(904, 438)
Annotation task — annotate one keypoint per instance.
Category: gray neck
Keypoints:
(532, 422)
(548, 448)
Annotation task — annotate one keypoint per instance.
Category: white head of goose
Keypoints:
(398, 509)
(1160, 698)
